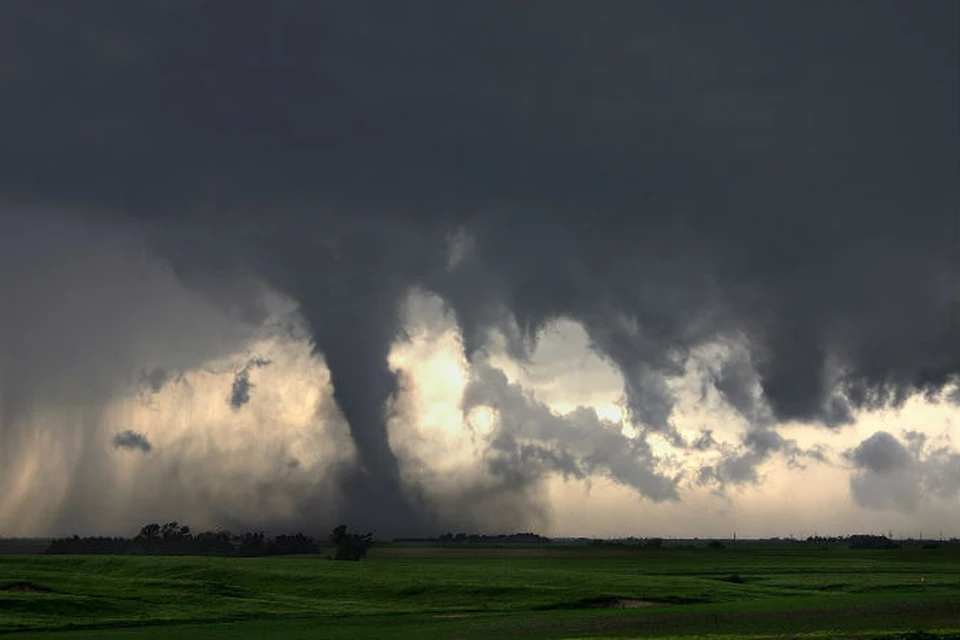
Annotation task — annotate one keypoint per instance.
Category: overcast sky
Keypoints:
(672, 268)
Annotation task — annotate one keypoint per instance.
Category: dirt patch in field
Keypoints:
(625, 603)
(25, 587)
(620, 603)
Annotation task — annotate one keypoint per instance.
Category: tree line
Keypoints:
(173, 538)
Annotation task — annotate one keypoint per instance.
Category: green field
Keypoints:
(474, 592)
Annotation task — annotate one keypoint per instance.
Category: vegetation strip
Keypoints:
(530, 591)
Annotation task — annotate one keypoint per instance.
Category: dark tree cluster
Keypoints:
(93, 545)
(175, 539)
(350, 546)
(864, 541)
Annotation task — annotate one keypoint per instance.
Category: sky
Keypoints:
(666, 269)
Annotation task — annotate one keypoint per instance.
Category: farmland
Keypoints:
(476, 591)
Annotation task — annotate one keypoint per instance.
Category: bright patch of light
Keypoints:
(564, 372)
(659, 445)
(482, 420)
(427, 430)
(609, 412)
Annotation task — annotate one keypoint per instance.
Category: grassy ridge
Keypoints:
(537, 592)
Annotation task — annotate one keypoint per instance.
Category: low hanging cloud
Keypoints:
(890, 475)
(739, 465)
(881, 454)
(130, 439)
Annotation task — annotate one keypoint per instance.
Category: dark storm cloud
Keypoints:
(667, 174)
(130, 439)
(735, 381)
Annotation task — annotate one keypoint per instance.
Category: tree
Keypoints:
(350, 546)
(148, 540)
(252, 544)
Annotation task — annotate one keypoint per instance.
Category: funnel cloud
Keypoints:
(184, 184)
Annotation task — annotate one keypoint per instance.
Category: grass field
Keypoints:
(463, 592)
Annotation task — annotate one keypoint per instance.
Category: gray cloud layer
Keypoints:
(667, 174)
(890, 475)
(532, 441)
